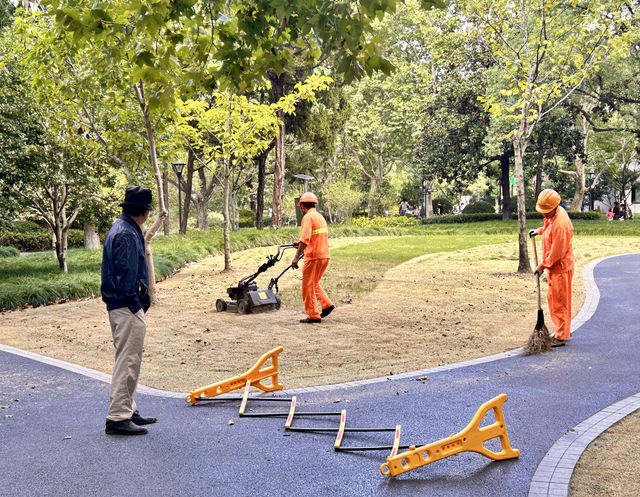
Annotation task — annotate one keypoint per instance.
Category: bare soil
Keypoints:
(435, 309)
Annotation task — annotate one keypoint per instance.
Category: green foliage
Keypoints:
(342, 198)
(247, 218)
(481, 217)
(390, 221)
(478, 207)
(447, 205)
(37, 240)
(25, 226)
(9, 252)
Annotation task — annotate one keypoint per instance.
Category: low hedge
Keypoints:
(476, 218)
(38, 240)
(9, 252)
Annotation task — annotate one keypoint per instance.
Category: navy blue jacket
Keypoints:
(125, 281)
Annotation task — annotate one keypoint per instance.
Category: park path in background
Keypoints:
(52, 422)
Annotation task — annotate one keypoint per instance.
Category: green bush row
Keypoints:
(37, 240)
(9, 252)
(475, 218)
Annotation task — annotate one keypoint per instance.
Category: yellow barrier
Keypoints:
(253, 376)
(471, 439)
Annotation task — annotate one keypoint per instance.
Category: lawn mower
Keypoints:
(246, 297)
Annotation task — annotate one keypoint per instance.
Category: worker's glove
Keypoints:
(532, 233)
(538, 271)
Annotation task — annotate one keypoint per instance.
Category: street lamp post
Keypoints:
(591, 176)
(177, 168)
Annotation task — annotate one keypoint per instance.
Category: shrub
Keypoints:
(342, 199)
(447, 205)
(480, 207)
(474, 218)
(247, 218)
(379, 222)
(25, 226)
(37, 241)
(9, 252)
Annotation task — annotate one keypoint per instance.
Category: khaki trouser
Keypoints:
(128, 332)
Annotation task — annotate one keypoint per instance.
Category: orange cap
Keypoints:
(547, 201)
(308, 197)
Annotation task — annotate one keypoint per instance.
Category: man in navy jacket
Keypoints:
(125, 283)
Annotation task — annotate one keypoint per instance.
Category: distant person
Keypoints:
(416, 211)
(563, 204)
(617, 211)
(314, 244)
(404, 207)
(610, 214)
(440, 209)
(557, 259)
(124, 289)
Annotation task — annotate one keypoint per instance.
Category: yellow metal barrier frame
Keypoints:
(253, 377)
(470, 439)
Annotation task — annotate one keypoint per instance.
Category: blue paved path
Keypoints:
(53, 444)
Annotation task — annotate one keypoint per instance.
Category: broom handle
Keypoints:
(535, 254)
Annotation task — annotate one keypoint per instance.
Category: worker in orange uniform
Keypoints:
(557, 259)
(314, 244)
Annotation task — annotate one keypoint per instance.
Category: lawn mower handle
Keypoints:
(271, 261)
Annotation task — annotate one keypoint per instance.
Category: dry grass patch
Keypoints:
(610, 467)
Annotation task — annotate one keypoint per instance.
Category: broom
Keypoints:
(539, 340)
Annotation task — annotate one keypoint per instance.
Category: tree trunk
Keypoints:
(538, 187)
(429, 208)
(235, 217)
(519, 148)
(61, 253)
(225, 202)
(371, 202)
(162, 212)
(188, 189)
(279, 168)
(504, 182)
(202, 208)
(165, 189)
(91, 238)
(578, 196)
(262, 170)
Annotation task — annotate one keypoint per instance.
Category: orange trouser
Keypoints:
(312, 271)
(559, 299)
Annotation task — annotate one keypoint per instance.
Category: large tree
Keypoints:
(543, 52)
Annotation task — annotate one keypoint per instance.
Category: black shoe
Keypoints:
(557, 343)
(139, 420)
(327, 311)
(123, 428)
(309, 320)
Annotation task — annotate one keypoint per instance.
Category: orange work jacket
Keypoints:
(315, 235)
(557, 251)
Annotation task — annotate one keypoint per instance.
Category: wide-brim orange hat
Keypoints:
(308, 197)
(548, 200)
